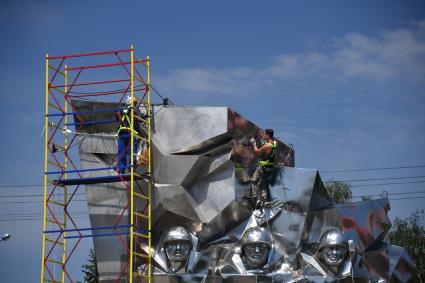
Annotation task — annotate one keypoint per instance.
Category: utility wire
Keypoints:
(406, 198)
(329, 181)
(22, 202)
(372, 169)
(38, 214)
(79, 200)
(351, 186)
(24, 196)
(84, 217)
(386, 184)
(25, 219)
(347, 170)
(375, 179)
(17, 186)
(392, 194)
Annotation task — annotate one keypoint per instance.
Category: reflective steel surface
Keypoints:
(202, 165)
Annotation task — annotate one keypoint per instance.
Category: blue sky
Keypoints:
(341, 80)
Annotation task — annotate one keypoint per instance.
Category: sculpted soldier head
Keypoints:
(177, 247)
(256, 244)
(333, 248)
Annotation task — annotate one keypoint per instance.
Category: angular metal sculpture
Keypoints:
(202, 165)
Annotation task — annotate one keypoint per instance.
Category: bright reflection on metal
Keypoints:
(5, 237)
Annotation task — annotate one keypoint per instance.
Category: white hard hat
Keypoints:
(127, 100)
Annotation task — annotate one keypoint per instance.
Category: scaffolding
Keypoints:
(110, 81)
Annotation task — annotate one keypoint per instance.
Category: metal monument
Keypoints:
(205, 225)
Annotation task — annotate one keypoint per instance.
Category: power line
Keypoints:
(393, 194)
(375, 179)
(32, 219)
(386, 184)
(373, 169)
(326, 171)
(39, 214)
(86, 217)
(406, 198)
(39, 195)
(16, 186)
(34, 201)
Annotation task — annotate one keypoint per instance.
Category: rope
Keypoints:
(159, 94)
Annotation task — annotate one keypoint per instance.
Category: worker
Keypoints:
(124, 137)
(266, 154)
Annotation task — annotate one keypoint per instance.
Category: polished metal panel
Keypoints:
(363, 222)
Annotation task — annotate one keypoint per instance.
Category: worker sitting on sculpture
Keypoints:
(256, 244)
(332, 258)
(262, 176)
(177, 247)
(124, 137)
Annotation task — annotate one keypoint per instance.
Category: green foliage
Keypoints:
(90, 269)
(339, 192)
(410, 234)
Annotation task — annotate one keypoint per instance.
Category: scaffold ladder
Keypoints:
(59, 225)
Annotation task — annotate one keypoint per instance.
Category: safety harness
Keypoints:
(125, 124)
(268, 161)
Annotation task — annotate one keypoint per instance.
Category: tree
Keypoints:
(339, 192)
(90, 269)
(410, 234)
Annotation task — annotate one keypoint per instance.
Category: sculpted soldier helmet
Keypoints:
(333, 237)
(177, 234)
(333, 247)
(256, 235)
(256, 244)
(177, 247)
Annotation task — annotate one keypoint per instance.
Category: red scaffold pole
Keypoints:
(90, 54)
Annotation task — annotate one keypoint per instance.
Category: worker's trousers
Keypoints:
(261, 179)
(124, 151)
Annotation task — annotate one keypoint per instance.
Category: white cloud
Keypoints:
(393, 54)
(209, 80)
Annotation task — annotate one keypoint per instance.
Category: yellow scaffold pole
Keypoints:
(65, 161)
(132, 169)
(148, 64)
(46, 134)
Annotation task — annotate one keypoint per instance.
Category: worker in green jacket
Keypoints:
(266, 163)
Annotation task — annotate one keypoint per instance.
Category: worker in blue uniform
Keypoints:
(124, 137)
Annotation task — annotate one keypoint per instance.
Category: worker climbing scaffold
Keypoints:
(124, 136)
